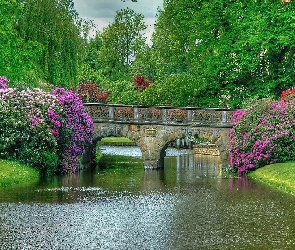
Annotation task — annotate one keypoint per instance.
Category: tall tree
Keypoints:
(18, 59)
(53, 24)
(234, 48)
(90, 67)
(121, 42)
(172, 38)
(247, 47)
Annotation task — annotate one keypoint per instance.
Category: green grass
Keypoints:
(12, 173)
(115, 139)
(279, 175)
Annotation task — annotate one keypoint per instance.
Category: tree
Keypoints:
(90, 66)
(18, 59)
(54, 25)
(234, 48)
(172, 38)
(144, 64)
(121, 42)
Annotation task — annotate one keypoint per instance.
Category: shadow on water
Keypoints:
(189, 204)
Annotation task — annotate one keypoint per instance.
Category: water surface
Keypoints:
(188, 205)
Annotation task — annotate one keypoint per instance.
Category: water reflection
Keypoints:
(182, 169)
(187, 205)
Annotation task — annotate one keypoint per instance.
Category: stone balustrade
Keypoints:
(160, 115)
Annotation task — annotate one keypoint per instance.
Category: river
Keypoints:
(190, 204)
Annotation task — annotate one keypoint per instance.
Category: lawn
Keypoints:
(12, 173)
(279, 175)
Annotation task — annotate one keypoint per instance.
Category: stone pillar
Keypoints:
(151, 144)
(223, 144)
(88, 157)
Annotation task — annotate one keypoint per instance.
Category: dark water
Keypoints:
(188, 205)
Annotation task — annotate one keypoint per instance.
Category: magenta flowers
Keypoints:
(3, 82)
(76, 127)
(46, 130)
(262, 134)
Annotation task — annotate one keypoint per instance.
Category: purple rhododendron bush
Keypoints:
(48, 131)
(262, 134)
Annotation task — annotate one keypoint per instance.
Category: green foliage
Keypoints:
(18, 58)
(122, 92)
(171, 39)
(176, 90)
(229, 45)
(121, 42)
(144, 64)
(90, 68)
(52, 24)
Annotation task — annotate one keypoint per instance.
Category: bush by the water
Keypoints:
(262, 134)
(45, 130)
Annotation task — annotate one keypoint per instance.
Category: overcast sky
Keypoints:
(102, 12)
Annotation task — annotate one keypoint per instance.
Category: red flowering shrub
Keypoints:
(91, 92)
(288, 94)
(140, 82)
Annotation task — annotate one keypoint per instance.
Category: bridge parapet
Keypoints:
(163, 115)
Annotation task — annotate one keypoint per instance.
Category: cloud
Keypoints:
(93, 9)
(102, 12)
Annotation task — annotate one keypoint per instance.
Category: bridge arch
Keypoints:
(153, 128)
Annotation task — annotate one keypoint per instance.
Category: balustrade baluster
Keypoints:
(111, 112)
(164, 115)
(189, 115)
(224, 118)
(135, 113)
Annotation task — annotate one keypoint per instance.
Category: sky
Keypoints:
(102, 12)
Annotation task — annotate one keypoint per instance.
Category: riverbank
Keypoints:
(280, 176)
(12, 173)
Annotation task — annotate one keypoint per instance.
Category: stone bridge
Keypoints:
(152, 128)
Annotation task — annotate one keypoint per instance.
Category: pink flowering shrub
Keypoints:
(46, 131)
(262, 134)
(3, 82)
(76, 128)
(25, 128)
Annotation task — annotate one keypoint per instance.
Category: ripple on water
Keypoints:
(127, 222)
